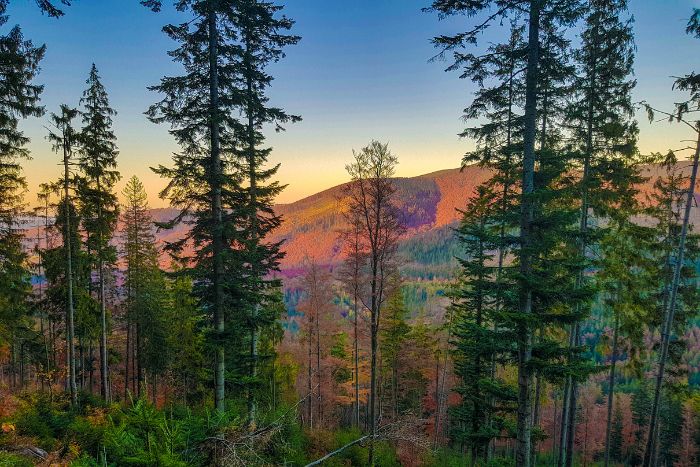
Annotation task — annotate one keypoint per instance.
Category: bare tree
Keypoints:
(317, 306)
(351, 277)
(371, 207)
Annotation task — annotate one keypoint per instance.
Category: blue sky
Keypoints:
(361, 71)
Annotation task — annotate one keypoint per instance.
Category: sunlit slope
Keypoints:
(429, 206)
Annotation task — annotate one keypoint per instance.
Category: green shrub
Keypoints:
(12, 460)
(44, 419)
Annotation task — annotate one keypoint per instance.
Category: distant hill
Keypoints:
(428, 204)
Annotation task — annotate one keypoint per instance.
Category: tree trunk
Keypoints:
(611, 390)
(70, 331)
(217, 234)
(318, 365)
(310, 399)
(563, 433)
(91, 356)
(373, 381)
(104, 368)
(252, 178)
(128, 360)
(357, 361)
(137, 362)
(524, 333)
(670, 312)
(437, 399)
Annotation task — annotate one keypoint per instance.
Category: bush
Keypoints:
(12, 460)
(44, 419)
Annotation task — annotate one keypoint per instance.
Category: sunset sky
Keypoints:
(361, 71)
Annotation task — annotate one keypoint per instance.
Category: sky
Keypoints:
(362, 71)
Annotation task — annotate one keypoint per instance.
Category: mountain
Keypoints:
(428, 204)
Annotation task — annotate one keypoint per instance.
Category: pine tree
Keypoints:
(626, 279)
(263, 37)
(185, 338)
(614, 450)
(226, 50)
(204, 182)
(601, 120)
(670, 427)
(98, 203)
(479, 342)
(641, 407)
(540, 15)
(45, 6)
(393, 334)
(145, 290)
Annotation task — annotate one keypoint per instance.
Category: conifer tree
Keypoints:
(185, 338)
(19, 99)
(145, 290)
(50, 7)
(263, 36)
(204, 182)
(602, 125)
(614, 449)
(98, 202)
(479, 343)
(394, 332)
(627, 280)
(217, 111)
(63, 138)
(542, 17)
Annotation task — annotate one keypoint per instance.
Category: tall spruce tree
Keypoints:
(146, 297)
(604, 134)
(98, 202)
(626, 280)
(263, 36)
(479, 342)
(394, 333)
(547, 16)
(204, 182)
(487, 224)
(217, 111)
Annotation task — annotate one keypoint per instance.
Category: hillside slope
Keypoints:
(428, 204)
